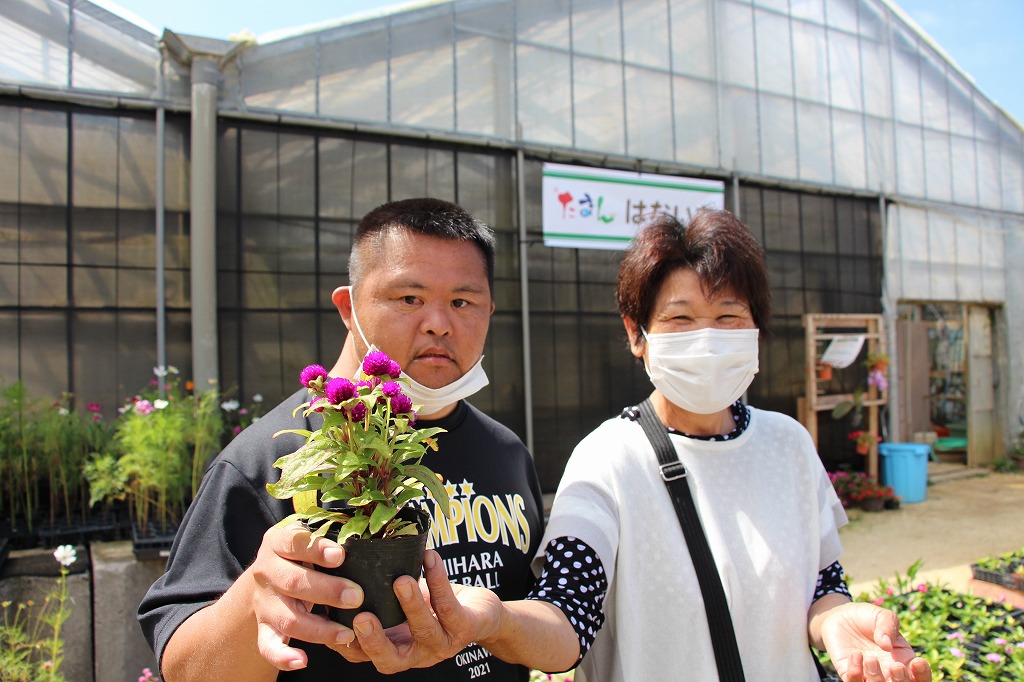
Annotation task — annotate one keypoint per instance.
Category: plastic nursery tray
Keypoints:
(1001, 578)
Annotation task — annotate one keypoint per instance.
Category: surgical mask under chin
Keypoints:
(430, 400)
(703, 371)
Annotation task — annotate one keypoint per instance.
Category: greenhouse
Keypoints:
(182, 200)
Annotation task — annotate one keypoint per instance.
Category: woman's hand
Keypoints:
(865, 645)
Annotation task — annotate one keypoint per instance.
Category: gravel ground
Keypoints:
(959, 522)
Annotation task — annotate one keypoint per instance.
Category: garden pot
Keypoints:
(374, 564)
(873, 504)
(863, 448)
(824, 372)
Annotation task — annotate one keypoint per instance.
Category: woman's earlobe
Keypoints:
(634, 337)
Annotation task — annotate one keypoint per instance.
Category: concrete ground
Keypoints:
(960, 521)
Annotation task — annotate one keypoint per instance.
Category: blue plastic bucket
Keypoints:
(905, 468)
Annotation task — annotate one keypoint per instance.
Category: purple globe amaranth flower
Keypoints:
(314, 403)
(395, 370)
(311, 374)
(377, 363)
(339, 389)
(401, 403)
(390, 388)
(357, 412)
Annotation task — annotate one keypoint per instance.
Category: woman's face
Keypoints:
(681, 306)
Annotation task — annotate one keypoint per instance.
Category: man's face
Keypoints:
(425, 302)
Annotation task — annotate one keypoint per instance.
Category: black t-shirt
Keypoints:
(495, 529)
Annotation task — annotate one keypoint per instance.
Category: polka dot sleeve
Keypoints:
(573, 579)
(830, 581)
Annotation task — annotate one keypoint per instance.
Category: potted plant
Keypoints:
(824, 371)
(848, 485)
(357, 475)
(873, 497)
(877, 362)
(864, 440)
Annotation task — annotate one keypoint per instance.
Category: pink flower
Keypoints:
(922, 588)
(995, 658)
(377, 363)
(956, 652)
(143, 407)
(312, 374)
(878, 380)
(94, 407)
(879, 601)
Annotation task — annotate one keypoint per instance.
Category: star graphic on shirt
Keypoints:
(450, 489)
(466, 488)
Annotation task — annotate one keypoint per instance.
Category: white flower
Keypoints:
(63, 411)
(229, 405)
(66, 555)
(160, 403)
(255, 419)
(160, 371)
(258, 398)
(171, 369)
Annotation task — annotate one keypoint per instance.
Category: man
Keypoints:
(235, 601)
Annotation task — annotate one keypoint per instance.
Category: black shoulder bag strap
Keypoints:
(723, 638)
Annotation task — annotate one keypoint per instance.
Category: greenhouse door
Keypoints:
(983, 430)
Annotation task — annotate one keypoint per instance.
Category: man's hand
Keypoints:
(865, 645)
(443, 619)
(285, 585)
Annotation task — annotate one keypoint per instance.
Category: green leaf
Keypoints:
(431, 483)
(354, 527)
(305, 433)
(842, 409)
(409, 493)
(381, 515)
(407, 529)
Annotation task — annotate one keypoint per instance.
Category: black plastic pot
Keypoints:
(375, 564)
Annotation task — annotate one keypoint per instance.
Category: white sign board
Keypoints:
(842, 351)
(594, 208)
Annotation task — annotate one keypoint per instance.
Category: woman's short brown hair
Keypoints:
(714, 244)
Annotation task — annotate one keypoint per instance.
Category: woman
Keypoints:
(693, 301)
(616, 573)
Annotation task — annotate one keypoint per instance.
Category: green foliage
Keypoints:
(365, 455)
(31, 648)
(18, 470)
(963, 637)
(165, 444)
(43, 449)
(1009, 562)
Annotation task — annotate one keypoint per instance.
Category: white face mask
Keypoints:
(430, 400)
(703, 371)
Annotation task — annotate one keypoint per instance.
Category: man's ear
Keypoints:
(636, 347)
(342, 299)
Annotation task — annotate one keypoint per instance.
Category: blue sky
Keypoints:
(984, 37)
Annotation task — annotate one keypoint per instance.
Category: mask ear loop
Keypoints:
(355, 318)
